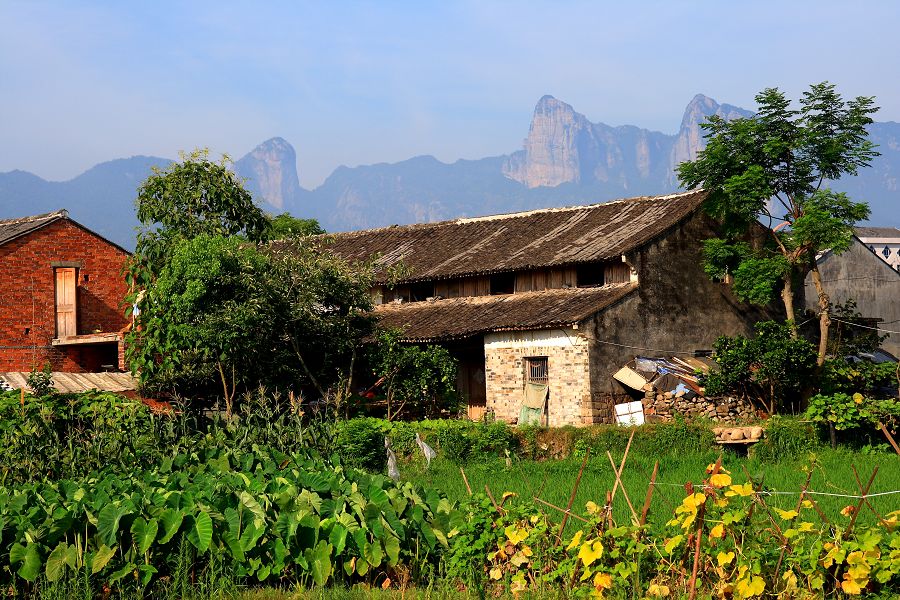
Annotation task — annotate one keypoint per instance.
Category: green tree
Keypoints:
(415, 377)
(189, 198)
(285, 226)
(774, 166)
(223, 316)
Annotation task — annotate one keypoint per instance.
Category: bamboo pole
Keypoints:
(565, 519)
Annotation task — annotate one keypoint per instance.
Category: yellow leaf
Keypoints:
(658, 591)
(724, 558)
(858, 398)
(720, 480)
(592, 508)
(806, 526)
(518, 585)
(518, 560)
(576, 539)
(806, 504)
(590, 551)
(673, 543)
(718, 531)
(750, 587)
(526, 550)
(508, 495)
(721, 502)
(496, 573)
(850, 586)
(848, 510)
(515, 534)
(740, 490)
(602, 581)
(787, 515)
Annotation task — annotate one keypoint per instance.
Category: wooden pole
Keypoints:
(466, 481)
(494, 502)
(624, 493)
(649, 496)
(868, 504)
(622, 464)
(889, 437)
(560, 509)
(565, 518)
(859, 506)
(701, 512)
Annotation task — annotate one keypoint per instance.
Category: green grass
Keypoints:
(553, 480)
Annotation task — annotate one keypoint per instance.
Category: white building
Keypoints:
(883, 241)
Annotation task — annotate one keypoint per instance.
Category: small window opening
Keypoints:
(503, 283)
(536, 370)
(85, 278)
(419, 292)
(589, 275)
(886, 252)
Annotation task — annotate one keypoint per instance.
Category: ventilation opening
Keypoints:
(589, 275)
(419, 292)
(503, 283)
(536, 370)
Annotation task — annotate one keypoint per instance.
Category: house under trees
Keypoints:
(542, 307)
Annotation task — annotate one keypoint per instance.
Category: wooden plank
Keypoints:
(442, 289)
(66, 311)
(483, 287)
(539, 281)
(616, 273)
(524, 282)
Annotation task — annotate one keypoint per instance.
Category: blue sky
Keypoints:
(361, 82)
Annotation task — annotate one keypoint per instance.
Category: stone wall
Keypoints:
(568, 373)
(664, 407)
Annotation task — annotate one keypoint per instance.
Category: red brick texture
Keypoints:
(27, 300)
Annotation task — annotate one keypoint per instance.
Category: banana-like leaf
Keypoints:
(144, 533)
(101, 558)
(171, 520)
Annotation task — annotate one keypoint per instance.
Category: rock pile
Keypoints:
(664, 407)
(737, 435)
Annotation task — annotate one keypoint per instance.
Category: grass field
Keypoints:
(553, 480)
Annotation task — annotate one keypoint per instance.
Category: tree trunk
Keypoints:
(824, 308)
(787, 296)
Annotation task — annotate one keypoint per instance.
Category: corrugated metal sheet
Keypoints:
(71, 383)
(462, 317)
(519, 241)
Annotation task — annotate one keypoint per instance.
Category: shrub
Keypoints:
(360, 444)
(41, 382)
(786, 438)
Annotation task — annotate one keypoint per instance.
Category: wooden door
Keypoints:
(66, 310)
(471, 386)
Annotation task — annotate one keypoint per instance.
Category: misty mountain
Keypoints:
(565, 159)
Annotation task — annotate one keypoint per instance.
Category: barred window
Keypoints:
(536, 370)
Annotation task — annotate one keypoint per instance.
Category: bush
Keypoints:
(360, 444)
(786, 438)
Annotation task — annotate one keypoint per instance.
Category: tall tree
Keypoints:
(775, 167)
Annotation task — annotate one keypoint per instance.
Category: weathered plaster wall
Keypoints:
(568, 373)
(675, 308)
(860, 275)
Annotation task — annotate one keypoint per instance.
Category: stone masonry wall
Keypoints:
(27, 297)
(568, 373)
(664, 407)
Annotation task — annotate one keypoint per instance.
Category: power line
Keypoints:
(865, 326)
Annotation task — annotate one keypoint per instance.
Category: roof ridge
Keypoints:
(514, 296)
(512, 215)
(61, 213)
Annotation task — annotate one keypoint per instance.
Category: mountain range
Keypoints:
(565, 159)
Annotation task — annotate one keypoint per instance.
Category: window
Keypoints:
(66, 304)
(886, 252)
(421, 291)
(536, 370)
(589, 275)
(503, 283)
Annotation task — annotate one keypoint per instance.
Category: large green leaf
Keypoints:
(392, 549)
(108, 522)
(55, 566)
(201, 533)
(319, 559)
(144, 533)
(171, 520)
(338, 538)
(101, 558)
(30, 559)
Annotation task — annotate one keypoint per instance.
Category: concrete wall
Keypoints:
(568, 373)
(675, 308)
(860, 275)
(27, 301)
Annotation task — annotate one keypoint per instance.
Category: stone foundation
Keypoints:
(664, 407)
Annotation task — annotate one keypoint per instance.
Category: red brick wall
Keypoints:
(27, 304)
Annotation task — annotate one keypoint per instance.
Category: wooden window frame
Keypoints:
(537, 370)
(57, 270)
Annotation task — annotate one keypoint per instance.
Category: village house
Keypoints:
(553, 302)
(883, 241)
(61, 298)
(864, 275)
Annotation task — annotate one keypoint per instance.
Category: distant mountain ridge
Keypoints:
(565, 159)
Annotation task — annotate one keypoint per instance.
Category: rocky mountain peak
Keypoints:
(270, 171)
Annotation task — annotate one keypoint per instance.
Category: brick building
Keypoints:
(542, 307)
(61, 296)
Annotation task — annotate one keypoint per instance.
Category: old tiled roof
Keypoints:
(877, 232)
(517, 241)
(11, 229)
(457, 318)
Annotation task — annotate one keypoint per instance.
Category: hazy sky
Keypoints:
(361, 82)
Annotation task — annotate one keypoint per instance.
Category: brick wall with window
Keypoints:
(29, 269)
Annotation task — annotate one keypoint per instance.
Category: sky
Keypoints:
(350, 83)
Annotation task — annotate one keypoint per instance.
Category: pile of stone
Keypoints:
(738, 435)
(664, 406)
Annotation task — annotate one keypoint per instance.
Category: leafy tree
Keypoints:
(772, 367)
(414, 376)
(286, 226)
(186, 199)
(772, 167)
(223, 314)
